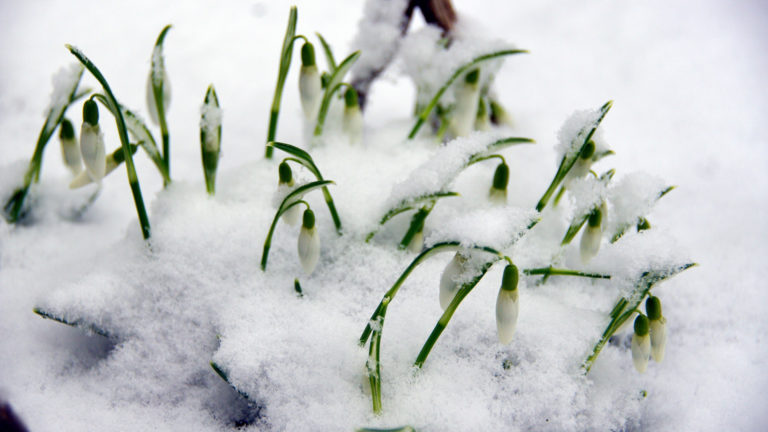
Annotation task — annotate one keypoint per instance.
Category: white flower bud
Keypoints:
(464, 112)
(417, 242)
(70, 151)
(352, 122)
(310, 91)
(92, 142)
(309, 243)
(449, 282)
(591, 237)
(151, 105)
(641, 344)
(507, 305)
(658, 328)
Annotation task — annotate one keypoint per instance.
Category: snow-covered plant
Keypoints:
(65, 84)
(210, 137)
(70, 150)
(159, 97)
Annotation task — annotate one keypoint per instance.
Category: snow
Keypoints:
(378, 35)
(682, 116)
(63, 83)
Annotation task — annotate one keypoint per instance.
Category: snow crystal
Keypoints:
(574, 131)
(586, 194)
(210, 121)
(631, 198)
(378, 35)
(496, 227)
(427, 61)
(437, 173)
(157, 73)
(64, 83)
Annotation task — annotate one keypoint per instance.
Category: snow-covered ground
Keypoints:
(690, 103)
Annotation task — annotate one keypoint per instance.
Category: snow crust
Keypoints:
(378, 35)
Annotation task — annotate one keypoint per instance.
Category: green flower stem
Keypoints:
(305, 159)
(626, 306)
(290, 200)
(133, 178)
(286, 54)
(15, 203)
(410, 204)
(389, 295)
(417, 224)
(428, 110)
(141, 133)
(484, 158)
(268, 240)
(567, 162)
(550, 271)
(442, 323)
(374, 355)
(334, 83)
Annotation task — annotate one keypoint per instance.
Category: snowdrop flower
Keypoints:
(309, 243)
(465, 110)
(310, 86)
(285, 182)
(113, 160)
(498, 193)
(352, 123)
(417, 242)
(166, 85)
(449, 282)
(507, 305)
(70, 152)
(483, 119)
(592, 236)
(583, 164)
(657, 327)
(92, 142)
(499, 115)
(641, 344)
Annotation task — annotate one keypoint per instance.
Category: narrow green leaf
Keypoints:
(286, 54)
(328, 53)
(333, 84)
(79, 323)
(465, 67)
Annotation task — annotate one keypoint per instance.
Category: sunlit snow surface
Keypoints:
(689, 107)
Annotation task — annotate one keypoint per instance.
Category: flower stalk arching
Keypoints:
(292, 199)
(303, 158)
(568, 161)
(12, 208)
(133, 178)
(334, 84)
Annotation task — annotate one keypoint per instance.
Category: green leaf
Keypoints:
(463, 68)
(78, 323)
(210, 156)
(333, 84)
(497, 146)
(328, 53)
(286, 54)
(224, 376)
(623, 228)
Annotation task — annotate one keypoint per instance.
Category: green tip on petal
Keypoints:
(91, 112)
(307, 54)
(588, 151)
(653, 308)
(284, 171)
(309, 219)
(641, 325)
(510, 278)
(472, 77)
(501, 177)
(350, 97)
(67, 131)
(595, 218)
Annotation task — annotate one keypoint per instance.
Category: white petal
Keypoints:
(465, 110)
(71, 155)
(92, 151)
(417, 242)
(497, 196)
(506, 315)
(449, 284)
(151, 97)
(291, 216)
(641, 350)
(590, 243)
(658, 339)
(309, 249)
(352, 124)
(310, 91)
